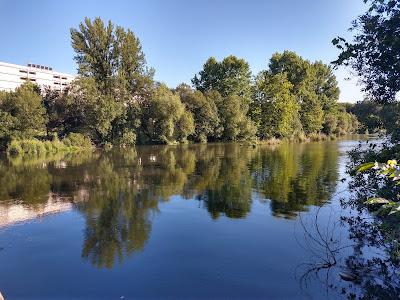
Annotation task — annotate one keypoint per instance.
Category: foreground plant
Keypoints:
(391, 170)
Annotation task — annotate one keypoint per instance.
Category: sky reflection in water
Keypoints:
(181, 221)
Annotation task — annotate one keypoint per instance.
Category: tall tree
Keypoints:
(113, 56)
(279, 110)
(314, 86)
(231, 76)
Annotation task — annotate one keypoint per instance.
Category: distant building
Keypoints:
(12, 76)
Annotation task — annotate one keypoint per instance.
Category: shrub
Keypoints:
(77, 140)
(14, 148)
(128, 139)
(73, 142)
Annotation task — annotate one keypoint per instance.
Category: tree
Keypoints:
(293, 65)
(96, 50)
(234, 121)
(229, 85)
(23, 114)
(279, 110)
(113, 57)
(370, 115)
(204, 111)
(311, 113)
(165, 118)
(231, 76)
(90, 112)
(314, 86)
(374, 53)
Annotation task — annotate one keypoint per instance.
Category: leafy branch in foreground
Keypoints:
(391, 170)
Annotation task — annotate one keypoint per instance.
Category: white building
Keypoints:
(12, 76)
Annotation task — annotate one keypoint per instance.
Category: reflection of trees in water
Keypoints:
(228, 191)
(295, 176)
(118, 191)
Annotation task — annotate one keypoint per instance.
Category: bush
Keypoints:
(14, 148)
(128, 139)
(77, 140)
(74, 142)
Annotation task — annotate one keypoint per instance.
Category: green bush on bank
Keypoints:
(77, 140)
(72, 142)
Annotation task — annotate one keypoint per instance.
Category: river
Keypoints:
(192, 221)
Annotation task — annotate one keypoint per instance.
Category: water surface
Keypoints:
(198, 221)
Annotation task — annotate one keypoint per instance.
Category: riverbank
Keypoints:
(76, 142)
(72, 143)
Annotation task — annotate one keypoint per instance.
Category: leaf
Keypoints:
(377, 200)
(365, 167)
(396, 175)
(395, 210)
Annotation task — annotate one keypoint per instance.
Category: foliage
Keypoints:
(370, 115)
(74, 142)
(374, 51)
(77, 140)
(234, 122)
(112, 58)
(166, 119)
(114, 100)
(111, 55)
(90, 112)
(314, 88)
(231, 76)
(22, 113)
(279, 110)
(204, 111)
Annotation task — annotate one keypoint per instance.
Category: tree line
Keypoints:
(116, 101)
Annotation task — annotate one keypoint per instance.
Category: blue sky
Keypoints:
(178, 36)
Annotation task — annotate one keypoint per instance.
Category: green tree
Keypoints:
(23, 114)
(204, 111)
(231, 76)
(311, 113)
(314, 86)
(370, 115)
(279, 110)
(113, 57)
(91, 112)
(166, 119)
(235, 123)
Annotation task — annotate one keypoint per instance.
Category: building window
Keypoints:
(56, 76)
(64, 78)
(22, 71)
(23, 78)
(31, 79)
(33, 73)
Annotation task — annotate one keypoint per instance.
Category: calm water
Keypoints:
(201, 221)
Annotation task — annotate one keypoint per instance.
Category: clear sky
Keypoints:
(178, 36)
